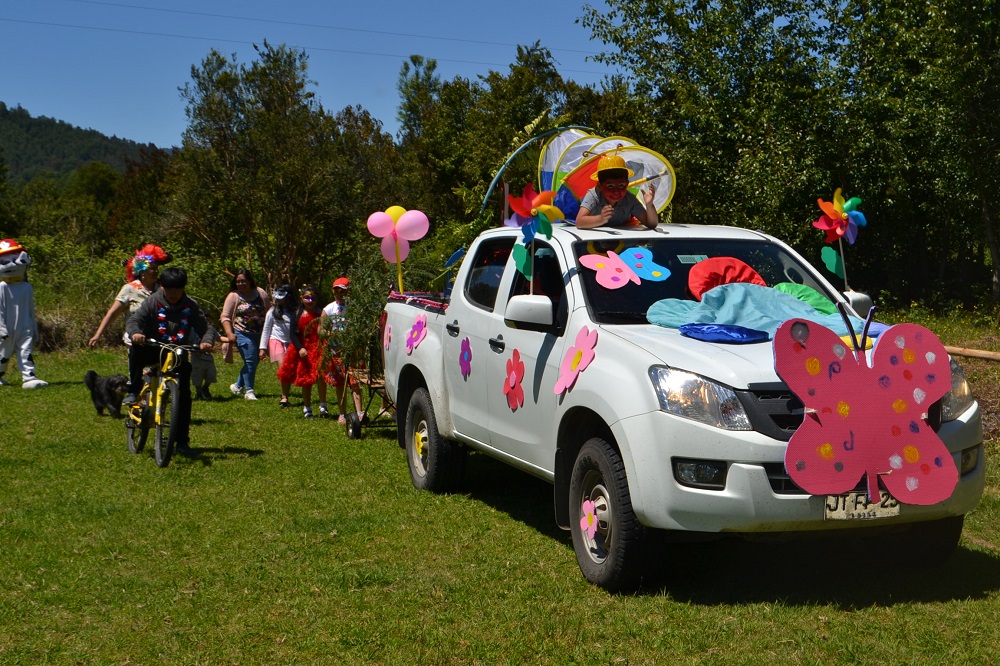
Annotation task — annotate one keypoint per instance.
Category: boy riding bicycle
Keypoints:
(167, 315)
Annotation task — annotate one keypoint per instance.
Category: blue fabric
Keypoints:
(751, 306)
(725, 333)
(566, 201)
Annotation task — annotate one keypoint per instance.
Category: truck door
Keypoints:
(528, 432)
(468, 321)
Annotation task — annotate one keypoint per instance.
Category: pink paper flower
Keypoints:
(576, 360)
(417, 333)
(387, 336)
(512, 381)
(588, 524)
(465, 359)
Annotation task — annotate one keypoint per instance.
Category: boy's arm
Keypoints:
(650, 218)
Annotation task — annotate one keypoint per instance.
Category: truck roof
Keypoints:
(565, 232)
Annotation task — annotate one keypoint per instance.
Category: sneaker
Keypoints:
(197, 393)
(307, 413)
(250, 395)
(184, 450)
(33, 383)
(4, 382)
(129, 400)
(237, 390)
(205, 394)
(324, 413)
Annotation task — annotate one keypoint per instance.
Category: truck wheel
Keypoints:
(436, 464)
(607, 537)
(928, 544)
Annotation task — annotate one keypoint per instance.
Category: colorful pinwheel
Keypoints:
(396, 226)
(534, 213)
(840, 218)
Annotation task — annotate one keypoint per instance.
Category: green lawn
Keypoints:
(284, 542)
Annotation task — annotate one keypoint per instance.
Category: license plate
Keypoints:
(856, 506)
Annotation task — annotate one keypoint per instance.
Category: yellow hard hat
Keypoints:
(609, 162)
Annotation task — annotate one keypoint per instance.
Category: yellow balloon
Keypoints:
(395, 212)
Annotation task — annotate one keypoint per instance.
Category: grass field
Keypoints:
(284, 542)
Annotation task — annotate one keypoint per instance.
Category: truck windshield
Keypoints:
(628, 304)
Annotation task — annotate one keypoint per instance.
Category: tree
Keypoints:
(740, 92)
(263, 179)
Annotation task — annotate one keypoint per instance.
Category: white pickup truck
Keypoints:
(643, 431)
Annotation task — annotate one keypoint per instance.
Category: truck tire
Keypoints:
(436, 464)
(612, 557)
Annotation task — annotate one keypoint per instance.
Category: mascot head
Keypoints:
(14, 261)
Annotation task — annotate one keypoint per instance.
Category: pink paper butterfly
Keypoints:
(866, 420)
(633, 265)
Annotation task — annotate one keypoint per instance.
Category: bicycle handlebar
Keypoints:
(148, 342)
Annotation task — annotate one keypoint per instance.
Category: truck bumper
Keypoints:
(753, 500)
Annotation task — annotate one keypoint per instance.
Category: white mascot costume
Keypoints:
(18, 327)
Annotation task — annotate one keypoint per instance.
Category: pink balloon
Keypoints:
(412, 225)
(389, 249)
(380, 224)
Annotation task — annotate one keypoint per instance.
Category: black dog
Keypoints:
(106, 392)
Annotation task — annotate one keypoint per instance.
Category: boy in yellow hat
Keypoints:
(610, 204)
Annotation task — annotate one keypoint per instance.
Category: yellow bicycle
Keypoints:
(158, 404)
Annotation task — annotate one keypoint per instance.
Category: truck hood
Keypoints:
(733, 365)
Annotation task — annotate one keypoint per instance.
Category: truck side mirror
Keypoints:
(860, 302)
(536, 310)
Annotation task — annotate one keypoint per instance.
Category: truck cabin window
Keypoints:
(487, 270)
(628, 304)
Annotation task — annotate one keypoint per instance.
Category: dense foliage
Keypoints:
(763, 106)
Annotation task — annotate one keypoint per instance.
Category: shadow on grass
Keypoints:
(207, 455)
(844, 572)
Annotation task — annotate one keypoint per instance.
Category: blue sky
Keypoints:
(116, 65)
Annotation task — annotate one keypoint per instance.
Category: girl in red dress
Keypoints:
(299, 367)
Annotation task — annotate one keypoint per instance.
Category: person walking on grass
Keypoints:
(280, 332)
(242, 319)
(301, 363)
(335, 374)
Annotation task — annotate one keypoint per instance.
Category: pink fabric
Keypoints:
(276, 350)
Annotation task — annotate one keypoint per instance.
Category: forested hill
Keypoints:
(32, 146)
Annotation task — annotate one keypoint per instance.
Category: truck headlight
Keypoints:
(697, 398)
(959, 398)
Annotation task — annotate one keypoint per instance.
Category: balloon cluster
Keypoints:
(397, 226)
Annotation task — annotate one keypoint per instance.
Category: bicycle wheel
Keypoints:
(136, 433)
(137, 423)
(169, 409)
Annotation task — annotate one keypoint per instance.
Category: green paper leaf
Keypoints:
(522, 260)
(833, 261)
